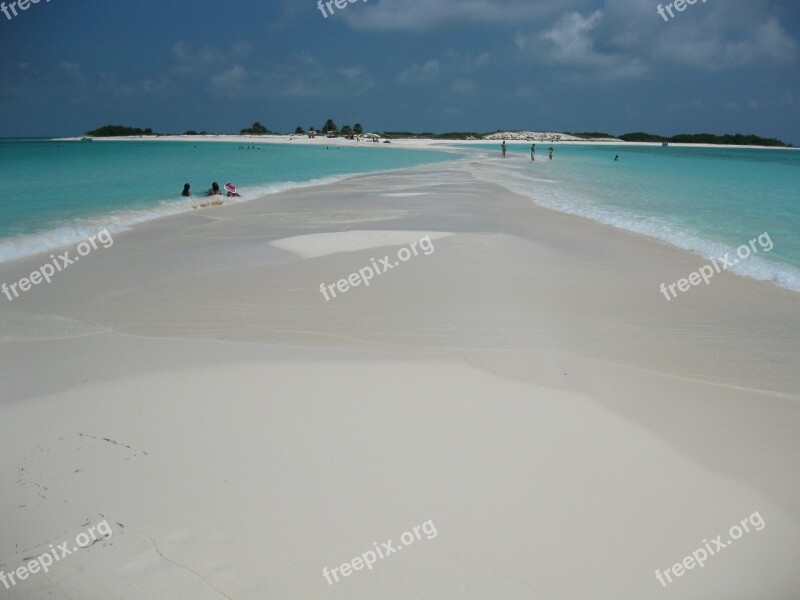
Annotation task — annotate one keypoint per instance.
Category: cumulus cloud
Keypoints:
(628, 40)
(571, 37)
(713, 45)
(573, 41)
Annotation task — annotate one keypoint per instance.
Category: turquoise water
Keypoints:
(708, 200)
(57, 193)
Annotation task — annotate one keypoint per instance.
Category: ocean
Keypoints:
(707, 200)
(57, 193)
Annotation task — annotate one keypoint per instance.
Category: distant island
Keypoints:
(706, 138)
(329, 129)
(118, 131)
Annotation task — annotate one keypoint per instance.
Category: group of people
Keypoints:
(230, 190)
(549, 152)
(533, 151)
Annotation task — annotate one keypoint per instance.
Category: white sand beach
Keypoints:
(512, 137)
(524, 386)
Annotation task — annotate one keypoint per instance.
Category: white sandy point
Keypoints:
(324, 244)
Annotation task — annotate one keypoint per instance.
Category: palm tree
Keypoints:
(256, 129)
(357, 129)
(329, 126)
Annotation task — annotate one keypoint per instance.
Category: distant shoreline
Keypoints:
(417, 143)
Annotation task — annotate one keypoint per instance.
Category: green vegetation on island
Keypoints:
(452, 135)
(255, 129)
(641, 136)
(330, 129)
(705, 138)
(588, 135)
(727, 140)
(119, 130)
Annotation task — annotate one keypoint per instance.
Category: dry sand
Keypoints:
(525, 387)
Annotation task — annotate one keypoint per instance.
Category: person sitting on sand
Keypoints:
(214, 191)
(231, 189)
(186, 191)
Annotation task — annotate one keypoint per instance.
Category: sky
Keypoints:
(617, 66)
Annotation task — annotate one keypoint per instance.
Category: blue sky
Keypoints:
(722, 66)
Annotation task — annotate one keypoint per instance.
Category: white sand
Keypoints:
(512, 137)
(525, 387)
(325, 244)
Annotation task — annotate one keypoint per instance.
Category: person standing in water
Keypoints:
(186, 191)
(551, 153)
(533, 152)
(503, 148)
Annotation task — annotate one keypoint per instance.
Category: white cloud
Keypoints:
(572, 41)
(571, 38)
(711, 45)
(628, 40)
